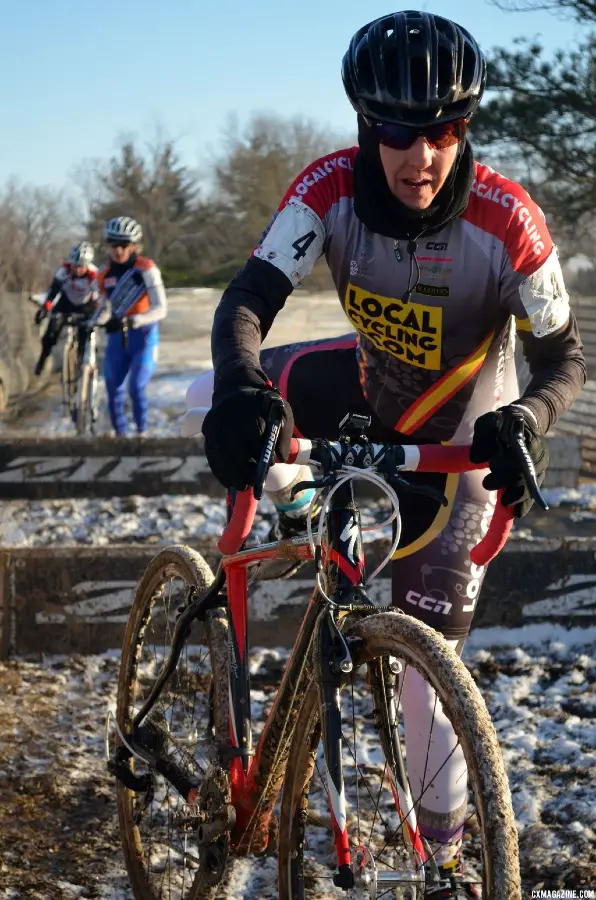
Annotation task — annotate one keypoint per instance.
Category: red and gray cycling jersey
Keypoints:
(432, 365)
(77, 290)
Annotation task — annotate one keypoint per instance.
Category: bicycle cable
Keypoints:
(348, 473)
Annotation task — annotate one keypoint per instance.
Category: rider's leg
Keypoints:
(434, 581)
(52, 332)
(116, 365)
(143, 346)
(82, 332)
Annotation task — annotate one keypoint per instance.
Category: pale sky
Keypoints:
(77, 75)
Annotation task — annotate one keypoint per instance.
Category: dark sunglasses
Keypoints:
(402, 137)
(118, 243)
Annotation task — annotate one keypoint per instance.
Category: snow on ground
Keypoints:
(58, 824)
(164, 519)
(165, 393)
(181, 518)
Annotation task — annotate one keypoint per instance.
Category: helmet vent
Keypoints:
(468, 70)
(418, 79)
(444, 71)
(366, 73)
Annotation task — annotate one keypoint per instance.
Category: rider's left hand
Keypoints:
(492, 443)
(40, 315)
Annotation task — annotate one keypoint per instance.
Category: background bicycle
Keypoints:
(197, 790)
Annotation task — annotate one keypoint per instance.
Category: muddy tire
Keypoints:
(189, 722)
(85, 411)
(384, 635)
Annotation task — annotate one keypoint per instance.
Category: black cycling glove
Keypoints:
(492, 443)
(234, 430)
(113, 324)
(40, 315)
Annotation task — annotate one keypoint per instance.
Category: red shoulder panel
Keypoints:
(144, 263)
(503, 208)
(324, 181)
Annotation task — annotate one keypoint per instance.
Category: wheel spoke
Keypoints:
(372, 763)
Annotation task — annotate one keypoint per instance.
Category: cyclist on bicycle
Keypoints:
(72, 291)
(436, 259)
(133, 302)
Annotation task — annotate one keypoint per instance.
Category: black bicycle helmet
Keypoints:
(414, 68)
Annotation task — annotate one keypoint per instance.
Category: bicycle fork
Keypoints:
(332, 660)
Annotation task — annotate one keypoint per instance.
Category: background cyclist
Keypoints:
(72, 290)
(133, 302)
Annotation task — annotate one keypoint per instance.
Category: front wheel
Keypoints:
(382, 799)
(69, 378)
(166, 853)
(85, 411)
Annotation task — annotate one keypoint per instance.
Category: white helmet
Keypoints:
(81, 254)
(123, 228)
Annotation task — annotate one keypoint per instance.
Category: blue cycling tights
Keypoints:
(135, 356)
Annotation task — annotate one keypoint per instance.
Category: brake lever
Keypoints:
(326, 481)
(397, 482)
(274, 419)
(526, 462)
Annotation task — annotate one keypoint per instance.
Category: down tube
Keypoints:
(265, 779)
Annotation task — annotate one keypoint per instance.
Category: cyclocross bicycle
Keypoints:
(79, 377)
(192, 788)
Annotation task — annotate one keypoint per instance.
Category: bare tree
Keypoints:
(261, 162)
(34, 233)
(258, 165)
(583, 10)
(151, 185)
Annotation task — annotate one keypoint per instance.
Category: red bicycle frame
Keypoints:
(256, 777)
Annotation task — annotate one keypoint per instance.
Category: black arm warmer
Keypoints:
(558, 371)
(242, 320)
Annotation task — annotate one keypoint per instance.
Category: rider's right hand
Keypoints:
(234, 430)
(113, 325)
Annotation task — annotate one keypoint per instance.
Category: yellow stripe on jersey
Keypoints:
(437, 395)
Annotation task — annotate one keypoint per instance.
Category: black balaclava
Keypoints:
(119, 269)
(383, 213)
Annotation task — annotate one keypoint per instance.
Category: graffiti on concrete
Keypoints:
(574, 596)
(109, 469)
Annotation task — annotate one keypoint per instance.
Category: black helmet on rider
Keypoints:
(415, 69)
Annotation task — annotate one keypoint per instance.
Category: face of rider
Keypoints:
(79, 271)
(121, 254)
(416, 175)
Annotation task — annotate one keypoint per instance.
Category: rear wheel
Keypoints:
(175, 850)
(385, 860)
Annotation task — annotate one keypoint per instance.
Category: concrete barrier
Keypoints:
(565, 461)
(44, 469)
(70, 467)
(77, 599)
